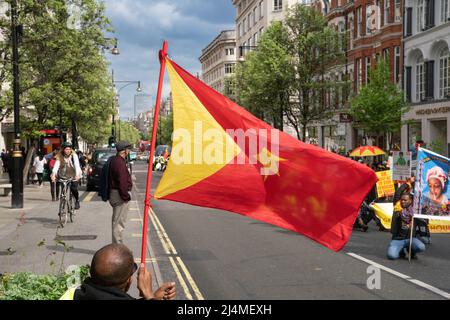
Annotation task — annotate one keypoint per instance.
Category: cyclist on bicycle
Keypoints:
(67, 167)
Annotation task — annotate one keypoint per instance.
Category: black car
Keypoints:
(99, 158)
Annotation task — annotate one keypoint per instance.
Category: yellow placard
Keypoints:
(384, 211)
(385, 185)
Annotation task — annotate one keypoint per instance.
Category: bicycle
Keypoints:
(66, 203)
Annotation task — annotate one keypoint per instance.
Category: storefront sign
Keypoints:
(433, 110)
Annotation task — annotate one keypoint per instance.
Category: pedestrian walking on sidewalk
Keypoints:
(38, 165)
(54, 185)
(119, 182)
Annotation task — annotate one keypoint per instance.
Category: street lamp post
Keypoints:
(127, 83)
(17, 182)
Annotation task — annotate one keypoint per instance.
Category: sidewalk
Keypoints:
(31, 239)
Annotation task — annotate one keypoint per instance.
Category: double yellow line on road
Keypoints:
(175, 260)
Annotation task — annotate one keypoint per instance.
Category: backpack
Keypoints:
(103, 189)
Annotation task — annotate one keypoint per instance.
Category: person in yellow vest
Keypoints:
(111, 276)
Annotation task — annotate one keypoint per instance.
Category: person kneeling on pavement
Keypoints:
(400, 229)
(111, 275)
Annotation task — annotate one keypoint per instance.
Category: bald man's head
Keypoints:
(112, 265)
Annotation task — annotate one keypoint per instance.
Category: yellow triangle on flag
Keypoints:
(201, 147)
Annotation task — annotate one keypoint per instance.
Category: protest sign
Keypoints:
(431, 189)
(385, 185)
(401, 165)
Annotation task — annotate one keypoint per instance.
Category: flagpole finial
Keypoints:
(163, 52)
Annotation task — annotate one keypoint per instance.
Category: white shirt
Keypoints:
(39, 164)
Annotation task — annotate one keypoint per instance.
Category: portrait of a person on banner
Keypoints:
(435, 200)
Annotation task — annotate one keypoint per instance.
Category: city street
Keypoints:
(213, 254)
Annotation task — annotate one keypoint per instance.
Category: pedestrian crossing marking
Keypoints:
(136, 220)
(137, 235)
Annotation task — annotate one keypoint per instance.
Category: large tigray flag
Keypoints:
(432, 193)
(224, 157)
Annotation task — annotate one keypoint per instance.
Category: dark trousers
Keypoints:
(39, 175)
(74, 189)
(54, 189)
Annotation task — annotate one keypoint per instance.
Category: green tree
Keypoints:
(263, 80)
(380, 104)
(62, 70)
(129, 132)
(286, 77)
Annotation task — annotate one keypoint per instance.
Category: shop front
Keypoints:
(427, 123)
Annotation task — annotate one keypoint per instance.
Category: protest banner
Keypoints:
(384, 211)
(431, 189)
(401, 165)
(385, 185)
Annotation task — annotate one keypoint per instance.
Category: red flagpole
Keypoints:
(147, 204)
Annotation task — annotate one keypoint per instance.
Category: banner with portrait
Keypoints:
(401, 165)
(432, 191)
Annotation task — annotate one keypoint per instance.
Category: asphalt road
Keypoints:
(229, 256)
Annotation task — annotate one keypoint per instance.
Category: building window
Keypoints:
(244, 22)
(398, 12)
(445, 10)
(359, 22)
(255, 39)
(229, 68)
(261, 10)
(358, 68)
(249, 21)
(420, 80)
(444, 73)
(420, 15)
(397, 64)
(239, 30)
(367, 69)
(387, 10)
(386, 55)
(255, 15)
(277, 5)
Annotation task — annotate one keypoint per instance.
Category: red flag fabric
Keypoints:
(281, 181)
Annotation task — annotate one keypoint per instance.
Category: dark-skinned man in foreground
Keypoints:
(111, 271)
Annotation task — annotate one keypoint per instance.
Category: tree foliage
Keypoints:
(62, 70)
(288, 72)
(378, 107)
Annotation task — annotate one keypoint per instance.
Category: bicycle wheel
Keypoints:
(63, 211)
(71, 207)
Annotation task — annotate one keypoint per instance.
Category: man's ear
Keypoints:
(129, 282)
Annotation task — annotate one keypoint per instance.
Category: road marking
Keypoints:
(137, 235)
(180, 278)
(403, 276)
(159, 279)
(89, 196)
(147, 260)
(190, 280)
(136, 220)
(134, 209)
(164, 234)
(168, 246)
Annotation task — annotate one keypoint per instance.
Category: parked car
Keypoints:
(99, 158)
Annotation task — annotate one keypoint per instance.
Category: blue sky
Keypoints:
(142, 25)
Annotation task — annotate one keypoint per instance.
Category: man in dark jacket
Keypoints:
(111, 273)
(120, 185)
(401, 230)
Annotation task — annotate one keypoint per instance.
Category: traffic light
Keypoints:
(112, 142)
